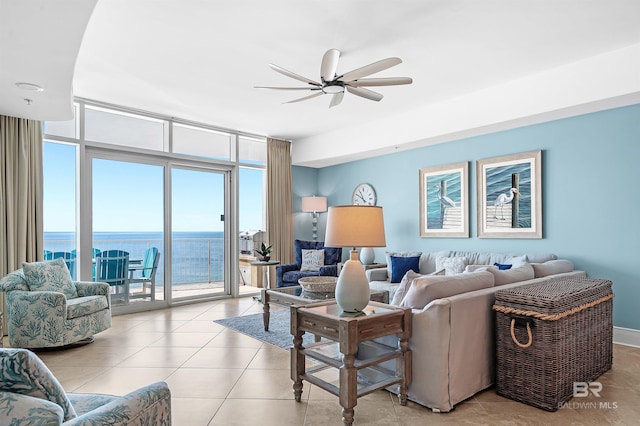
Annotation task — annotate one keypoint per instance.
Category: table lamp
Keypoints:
(314, 205)
(354, 226)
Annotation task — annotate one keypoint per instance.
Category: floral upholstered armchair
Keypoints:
(31, 395)
(312, 259)
(45, 308)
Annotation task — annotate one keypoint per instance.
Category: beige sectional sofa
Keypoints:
(452, 343)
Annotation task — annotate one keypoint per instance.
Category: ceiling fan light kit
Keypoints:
(334, 84)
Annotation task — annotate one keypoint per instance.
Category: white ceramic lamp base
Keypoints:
(352, 289)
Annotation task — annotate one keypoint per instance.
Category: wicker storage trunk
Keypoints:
(550, 335)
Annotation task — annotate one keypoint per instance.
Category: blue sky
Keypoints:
(128, 197)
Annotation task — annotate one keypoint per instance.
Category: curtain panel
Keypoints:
(21, 195)
(279, 200)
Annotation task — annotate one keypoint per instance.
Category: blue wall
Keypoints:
(590, 173)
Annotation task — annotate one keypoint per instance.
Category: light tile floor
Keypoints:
(221, 377)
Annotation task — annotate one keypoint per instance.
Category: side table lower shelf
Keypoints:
(371, 375)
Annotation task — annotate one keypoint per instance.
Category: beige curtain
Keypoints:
(21, 225)
(279, 200)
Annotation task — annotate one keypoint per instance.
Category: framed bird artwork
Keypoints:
(509, 196)
(444, 201)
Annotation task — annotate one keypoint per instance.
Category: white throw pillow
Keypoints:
(517, 261)
(312, 260)
(451, 265)
(404, 286)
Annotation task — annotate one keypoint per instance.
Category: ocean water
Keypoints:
(197, 257)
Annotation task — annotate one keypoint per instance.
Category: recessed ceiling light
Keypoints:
(29, 86)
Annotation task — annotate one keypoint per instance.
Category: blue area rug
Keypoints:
(279, 333)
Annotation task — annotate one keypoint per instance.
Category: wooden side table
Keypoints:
(344, 335)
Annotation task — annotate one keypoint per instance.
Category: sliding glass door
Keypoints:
(198, 233)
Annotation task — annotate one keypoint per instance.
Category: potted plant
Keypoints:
(264, 252)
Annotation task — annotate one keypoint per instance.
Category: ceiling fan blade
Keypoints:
(389, 81)
(305, 98)
(373, 68)
(365, 93)
(293, 75)
(285, 88)
(329, 64)
(336, 99)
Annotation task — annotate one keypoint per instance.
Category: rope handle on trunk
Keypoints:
(515, 339)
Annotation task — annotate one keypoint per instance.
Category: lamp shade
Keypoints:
(355, 226)
(314, 204)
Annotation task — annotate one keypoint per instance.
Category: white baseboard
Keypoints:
(626, 336)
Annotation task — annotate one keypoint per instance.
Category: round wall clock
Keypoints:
(364, 195)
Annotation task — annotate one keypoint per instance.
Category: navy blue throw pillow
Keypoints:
(400, 266)
(502, 266)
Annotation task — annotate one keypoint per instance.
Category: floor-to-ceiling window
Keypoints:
(130, 181)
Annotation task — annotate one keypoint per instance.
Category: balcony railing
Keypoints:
(194, 260)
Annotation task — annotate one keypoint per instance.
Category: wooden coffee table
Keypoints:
(293, 295)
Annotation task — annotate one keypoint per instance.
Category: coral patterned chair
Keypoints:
(46, 308)
(31, 395)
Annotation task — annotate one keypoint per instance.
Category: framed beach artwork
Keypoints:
(510, 196)
(444, 201)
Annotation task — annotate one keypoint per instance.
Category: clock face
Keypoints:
(364, 195)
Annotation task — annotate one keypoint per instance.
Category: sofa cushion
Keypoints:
(24, 373)
(513, 275)
(428, 288)
(81, 306)
(552, 267)
(312, 260)
(400, 266)
(52, 275)
(14, 281)
(451, 265)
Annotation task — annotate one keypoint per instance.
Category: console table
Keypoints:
(360, 371)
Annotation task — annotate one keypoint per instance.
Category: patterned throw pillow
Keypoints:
(312, 260)
(451, 265)
(24, 373)
(52, 275)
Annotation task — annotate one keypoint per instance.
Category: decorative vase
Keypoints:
(367, 255)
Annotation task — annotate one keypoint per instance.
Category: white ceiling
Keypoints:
(199, 60)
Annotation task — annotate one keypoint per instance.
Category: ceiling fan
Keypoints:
(335, 84)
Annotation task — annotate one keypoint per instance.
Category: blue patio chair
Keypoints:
(69, 259)
(147, 273)
(48, 255)
(94, 253)
(112, 267)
